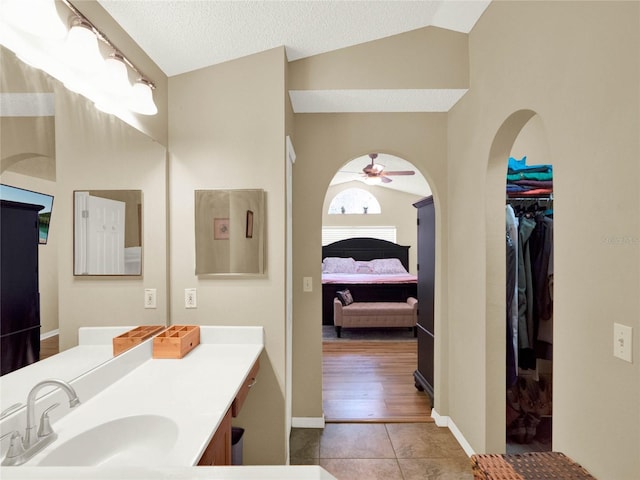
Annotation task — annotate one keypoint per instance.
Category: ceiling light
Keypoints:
(116, 75)
(82, 46)
(143, 98)
(37, 17)
(372, 180)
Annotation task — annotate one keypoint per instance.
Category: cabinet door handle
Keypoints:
(253, 382)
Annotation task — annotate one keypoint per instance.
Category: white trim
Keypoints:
(50, 334)
(307, 422)
(375, 100)
(444, 421)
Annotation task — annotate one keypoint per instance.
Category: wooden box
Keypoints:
(176, 341)
(134, 337)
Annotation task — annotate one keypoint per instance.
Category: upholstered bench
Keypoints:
(375, 314)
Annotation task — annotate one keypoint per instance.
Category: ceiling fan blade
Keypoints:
(400, 172)
(385, 179)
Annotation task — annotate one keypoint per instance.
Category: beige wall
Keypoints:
(558, 60)
(93, 151)
(227, 131)
(396, 210)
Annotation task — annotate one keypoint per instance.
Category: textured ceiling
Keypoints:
(185, 35)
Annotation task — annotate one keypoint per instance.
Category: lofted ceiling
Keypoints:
(185, 35)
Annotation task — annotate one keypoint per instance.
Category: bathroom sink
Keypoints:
(134, 440)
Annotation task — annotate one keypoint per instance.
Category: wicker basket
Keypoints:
(527, 466)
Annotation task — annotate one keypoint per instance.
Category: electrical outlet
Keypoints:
(307, 284)
(622, 345)
(149, 298)
(190, 299)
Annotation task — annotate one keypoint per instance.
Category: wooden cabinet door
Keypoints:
(218, 452)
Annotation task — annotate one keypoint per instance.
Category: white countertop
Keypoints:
(193, 392)
(270, 472)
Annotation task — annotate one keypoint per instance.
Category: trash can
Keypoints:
(236, 445)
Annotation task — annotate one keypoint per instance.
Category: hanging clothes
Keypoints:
(512, 296)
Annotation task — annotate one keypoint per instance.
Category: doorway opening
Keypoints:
(527, 252)
(368, 371)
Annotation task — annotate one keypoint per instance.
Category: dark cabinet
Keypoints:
(426, 277)
(19, 299)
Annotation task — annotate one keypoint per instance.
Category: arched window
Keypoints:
(354, 201)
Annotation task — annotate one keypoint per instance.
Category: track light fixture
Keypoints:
(77, 61)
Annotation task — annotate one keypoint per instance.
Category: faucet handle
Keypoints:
(45, 424)
(16, 448)
(8, 411)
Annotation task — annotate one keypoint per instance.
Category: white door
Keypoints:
(105, 236)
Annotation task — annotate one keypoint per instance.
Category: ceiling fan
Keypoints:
(376, 170)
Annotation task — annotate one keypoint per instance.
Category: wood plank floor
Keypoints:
(49, 346)
(368, 381)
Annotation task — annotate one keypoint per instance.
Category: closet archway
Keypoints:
(521, 133)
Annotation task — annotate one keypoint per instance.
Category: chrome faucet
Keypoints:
(29, 437)
(23, 448)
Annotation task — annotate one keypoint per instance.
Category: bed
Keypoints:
(370, 268)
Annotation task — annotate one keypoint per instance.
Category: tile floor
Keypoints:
(389, 451)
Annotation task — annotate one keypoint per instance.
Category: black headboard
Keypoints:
(367, 249)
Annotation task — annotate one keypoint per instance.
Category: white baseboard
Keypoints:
(307, 422)
(444, 421)
(52, 333)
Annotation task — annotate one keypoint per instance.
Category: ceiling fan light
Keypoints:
(142, 101)
(373, 180)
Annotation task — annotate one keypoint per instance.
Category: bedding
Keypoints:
(377, 271)
(373, 270)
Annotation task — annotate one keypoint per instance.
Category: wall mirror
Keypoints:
(229, 232)
(107, 232)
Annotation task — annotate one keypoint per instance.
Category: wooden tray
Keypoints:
(134, 337)
(176, 341)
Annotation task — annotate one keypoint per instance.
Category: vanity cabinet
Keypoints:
(218, 452)
(244, 390)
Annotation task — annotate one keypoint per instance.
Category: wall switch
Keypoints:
(622, 343)
(307, 284)
(190, 299)
(149, 298)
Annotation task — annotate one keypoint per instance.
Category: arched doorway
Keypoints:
(357, 205)
(521, 137)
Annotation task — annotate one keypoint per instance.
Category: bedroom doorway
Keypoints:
(368, 372)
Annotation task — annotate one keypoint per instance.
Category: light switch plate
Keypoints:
(307, 284)
(190, 299)
(149, 298)
(622, 342)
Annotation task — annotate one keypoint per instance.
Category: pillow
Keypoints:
(345, 297)
(338, 265)
(387, 265)
(363, 267)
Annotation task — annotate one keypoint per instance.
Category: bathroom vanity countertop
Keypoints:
(193, 392)
(270, 472)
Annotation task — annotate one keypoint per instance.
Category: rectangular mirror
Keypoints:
(229, 232)
(107, 232)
